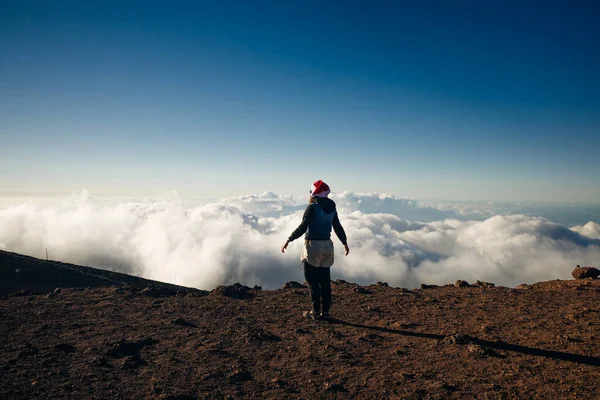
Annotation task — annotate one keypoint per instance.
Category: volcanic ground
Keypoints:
(90, 333)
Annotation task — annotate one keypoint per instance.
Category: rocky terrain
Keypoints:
(109, 336)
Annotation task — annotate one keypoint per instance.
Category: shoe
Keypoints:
(311, 314)
(325, 315)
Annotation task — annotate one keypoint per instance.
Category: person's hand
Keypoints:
(347, 249)
(285, 246)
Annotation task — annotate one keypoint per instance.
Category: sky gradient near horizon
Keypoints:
(431, 100)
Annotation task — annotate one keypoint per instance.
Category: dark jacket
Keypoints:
(318, 220)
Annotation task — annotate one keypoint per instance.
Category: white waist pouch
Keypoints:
(318, 253)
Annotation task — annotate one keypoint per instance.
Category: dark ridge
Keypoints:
(24, 273)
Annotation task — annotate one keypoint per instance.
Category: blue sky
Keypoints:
(431, 100)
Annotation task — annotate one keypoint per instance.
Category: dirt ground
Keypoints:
(122, 342)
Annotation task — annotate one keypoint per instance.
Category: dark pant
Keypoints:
(319, 284)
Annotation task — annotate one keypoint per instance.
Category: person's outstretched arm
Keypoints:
(340, 233)
(301, 229)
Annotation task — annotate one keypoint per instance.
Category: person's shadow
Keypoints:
(497, 345)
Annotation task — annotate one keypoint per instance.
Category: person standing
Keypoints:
(317, 254)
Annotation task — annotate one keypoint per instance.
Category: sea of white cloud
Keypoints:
(401, 241)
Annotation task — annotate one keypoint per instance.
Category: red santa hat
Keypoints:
(319, 189)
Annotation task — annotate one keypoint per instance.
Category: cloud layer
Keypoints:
(566, 214)
(238, 239)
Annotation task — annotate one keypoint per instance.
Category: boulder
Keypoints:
(585, 272)
(293, 285)
(424, 286)
(236, 291)
(476, 350)
(484, 284)
(459, 338)
(334, 387)
(460, 284)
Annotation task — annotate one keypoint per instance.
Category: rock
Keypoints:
(374, 309)
(334, 387)
(129, 349)
(57, 290)
(399, 352)
(407, 376)
(457, 339)
(236, 291)
(481, 351)
(292, 285)
(585, 272)
(475, 350)
(424, 286)
(484, 284)
(256, 287)
(361, 290)
(341, 282)
(385, 284)
(460, 284)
